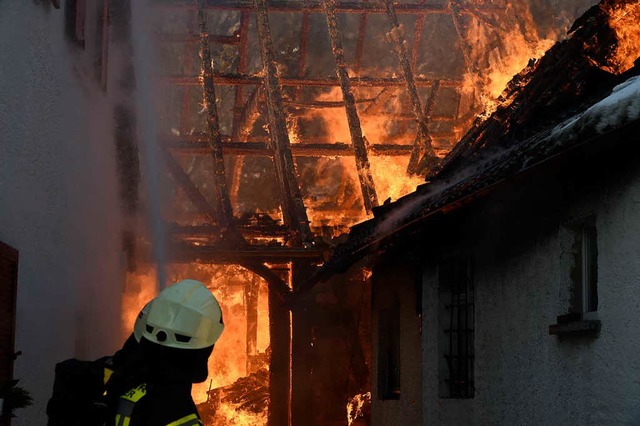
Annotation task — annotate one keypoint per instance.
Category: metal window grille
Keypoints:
(457, 346)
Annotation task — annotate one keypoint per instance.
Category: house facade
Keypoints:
(528, 304)
(505, 290)
(61, 194)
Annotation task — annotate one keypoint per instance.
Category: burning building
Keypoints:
(248, 137)
(508, 282)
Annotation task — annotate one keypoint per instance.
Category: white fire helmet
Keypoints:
(185, 315)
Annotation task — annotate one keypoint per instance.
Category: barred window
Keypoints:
(456, 316)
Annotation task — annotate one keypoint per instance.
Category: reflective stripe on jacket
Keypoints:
(128, 402)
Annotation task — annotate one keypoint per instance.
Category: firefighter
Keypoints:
(173, 338)
(148, 381)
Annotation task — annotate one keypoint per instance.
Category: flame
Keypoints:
(141, 287)
(356, 405)
(625, 21)
(389, 173)
(501, 57)
(228, 415)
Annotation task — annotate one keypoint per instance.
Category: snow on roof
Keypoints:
(620, 107)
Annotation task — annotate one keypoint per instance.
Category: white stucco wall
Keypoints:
(59, 203)
(523, 375)
(397, 283)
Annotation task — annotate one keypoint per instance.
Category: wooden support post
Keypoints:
(236, 163)
(301, 351)
(224, 210)
(187, 66)
(251, 292)
(289, 81)
(367, 184)
(423, 154)
(189, 188)
(339, 149)
(293, 209)
(362, 32)
(280, 362)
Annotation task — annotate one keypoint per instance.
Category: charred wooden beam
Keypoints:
(271, 254)
(323, 104)
(292, 81)
(184, 181)
(224, 210)
(362, 32)
(187, 65)
(365, 177)
(293, 209)
(301, 348)
(280, 361)
(380, 100)
(206, 231)
(431, 101)
(196, 38)
(417, 38)
(240, 117)
(304, 44)
(262, 149)
(251, 293)
(456, 12)
(341, 7)
(423, 151)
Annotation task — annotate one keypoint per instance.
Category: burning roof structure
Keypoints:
(284, 123)
(584, 87)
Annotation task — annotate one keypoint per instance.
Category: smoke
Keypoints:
(144, 60)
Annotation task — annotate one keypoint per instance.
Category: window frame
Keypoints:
(389, 350)
(582, 317)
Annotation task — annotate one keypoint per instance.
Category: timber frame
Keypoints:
(228, 238)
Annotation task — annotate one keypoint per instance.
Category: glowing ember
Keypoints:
(356, 407)
(625, 21)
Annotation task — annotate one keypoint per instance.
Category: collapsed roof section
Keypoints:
(580, 90)
(290, 173)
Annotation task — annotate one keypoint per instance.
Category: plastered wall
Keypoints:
(59, 202)
(523, 375)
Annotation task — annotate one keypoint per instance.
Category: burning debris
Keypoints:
(570, 77)
(359, 409)
(244, 402)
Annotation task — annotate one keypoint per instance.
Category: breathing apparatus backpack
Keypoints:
(79, 393)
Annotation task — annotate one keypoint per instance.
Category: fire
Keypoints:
(625, 21)
(389, 173)
(141, 287)
(228, 415)
(501, 57)
(356, 407)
